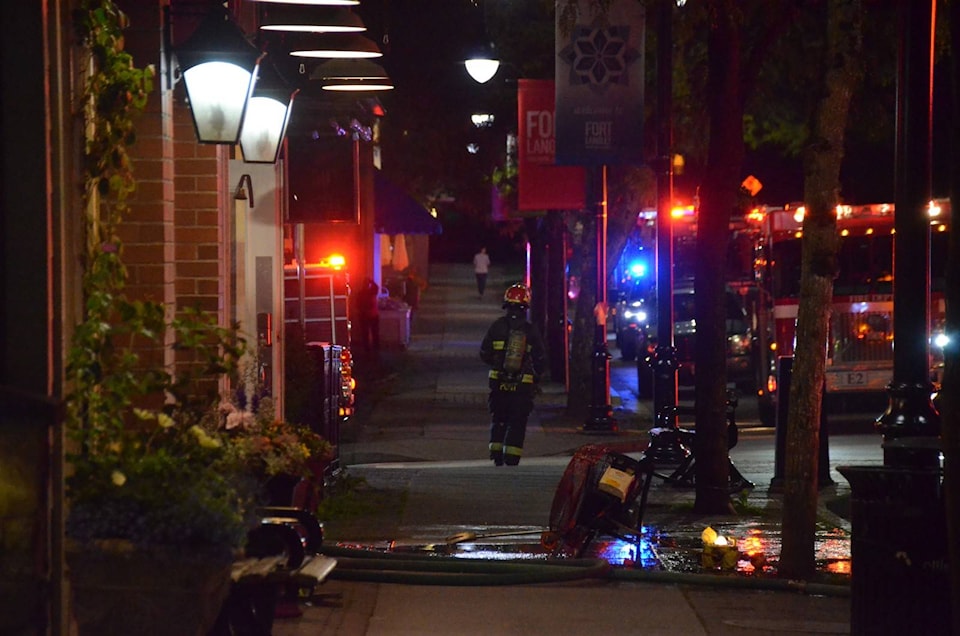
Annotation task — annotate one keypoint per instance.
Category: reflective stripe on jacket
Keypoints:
(525, 378)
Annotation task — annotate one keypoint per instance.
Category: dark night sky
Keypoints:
(426, 39)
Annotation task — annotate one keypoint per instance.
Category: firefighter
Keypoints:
(513, 348)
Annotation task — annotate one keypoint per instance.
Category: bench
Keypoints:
(674, 446)
(282, 558)
(258, 570)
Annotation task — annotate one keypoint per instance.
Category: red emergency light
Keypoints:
(334, 261)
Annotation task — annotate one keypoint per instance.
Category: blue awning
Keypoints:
(396, 212)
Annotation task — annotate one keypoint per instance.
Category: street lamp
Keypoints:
(219, 68)
(268, 114)
(481, 61)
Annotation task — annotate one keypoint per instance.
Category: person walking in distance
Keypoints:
(481, 267)
(514, 351)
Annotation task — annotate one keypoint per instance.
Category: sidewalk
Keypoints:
(418, 442)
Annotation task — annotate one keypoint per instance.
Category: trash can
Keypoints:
(394, 325)
(900, 580)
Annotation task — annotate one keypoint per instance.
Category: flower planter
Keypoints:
(163, 592)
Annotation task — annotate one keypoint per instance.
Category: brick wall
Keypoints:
(198, 227)
(173, 237)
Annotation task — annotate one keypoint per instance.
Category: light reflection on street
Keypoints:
(668, 548)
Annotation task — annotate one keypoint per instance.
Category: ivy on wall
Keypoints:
(105, 373)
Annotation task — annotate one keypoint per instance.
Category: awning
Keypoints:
(396, 212)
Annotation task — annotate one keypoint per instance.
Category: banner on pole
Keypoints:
(542, 184)
(599, 83)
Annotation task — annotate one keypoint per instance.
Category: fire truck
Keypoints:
(319, 373)
(634, 312)
(860, 341)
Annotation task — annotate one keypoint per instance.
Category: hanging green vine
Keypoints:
(137, 428)
(114, 93)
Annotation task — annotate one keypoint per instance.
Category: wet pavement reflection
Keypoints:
(675, 548)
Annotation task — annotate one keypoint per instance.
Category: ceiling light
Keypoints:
(332, 46)
(324, 3)
(310, 19)
(351, 75)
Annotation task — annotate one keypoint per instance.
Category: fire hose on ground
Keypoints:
(355, 564)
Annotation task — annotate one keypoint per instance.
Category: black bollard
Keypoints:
(600, 418)
(665, 365)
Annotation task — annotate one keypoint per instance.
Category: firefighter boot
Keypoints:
(497, 432)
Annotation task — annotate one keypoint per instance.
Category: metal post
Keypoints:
(911, 423)
(556, 290)
(600, 418)
(664, 357)
(784, 378)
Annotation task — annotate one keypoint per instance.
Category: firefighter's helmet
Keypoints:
(516, 296)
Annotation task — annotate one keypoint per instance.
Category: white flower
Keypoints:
(234, 419)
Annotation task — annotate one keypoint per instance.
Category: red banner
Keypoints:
(542, 184)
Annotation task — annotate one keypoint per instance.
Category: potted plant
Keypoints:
(288, 458)
(158, 503)
(163, 491)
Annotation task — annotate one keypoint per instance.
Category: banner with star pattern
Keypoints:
(599, 82)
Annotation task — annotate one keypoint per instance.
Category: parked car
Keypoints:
(740, 338)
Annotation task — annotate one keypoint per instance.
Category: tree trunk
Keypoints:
(584, 324)
(556, 290)
(718, 197)
(819, 265)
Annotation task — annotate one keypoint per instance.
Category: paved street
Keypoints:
(420, 445)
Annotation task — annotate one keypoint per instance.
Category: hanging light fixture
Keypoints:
(481, 61)
(316, 3)
(332, 45)
(219, 67)
(296, 19)
(268, 114)
(357, 75)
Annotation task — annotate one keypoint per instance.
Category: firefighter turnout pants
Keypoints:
(510, 407)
